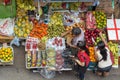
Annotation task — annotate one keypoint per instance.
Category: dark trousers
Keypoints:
(81, 72)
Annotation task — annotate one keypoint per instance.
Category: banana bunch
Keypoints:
(56, 5)
(26, 4)
(114, 48)
(74, 5)
(56, 26)
(19, 11)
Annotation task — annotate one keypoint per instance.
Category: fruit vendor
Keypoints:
(73, 36)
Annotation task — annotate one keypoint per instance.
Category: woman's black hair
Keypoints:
(82, 45)
(76, 31)
(103, 50)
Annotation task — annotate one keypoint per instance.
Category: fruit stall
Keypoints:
(40, 23)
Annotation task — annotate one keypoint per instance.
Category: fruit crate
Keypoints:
(2, 62)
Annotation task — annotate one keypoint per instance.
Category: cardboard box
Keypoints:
(117, 10)
(106, 6)
(113, 29)
(1, 1)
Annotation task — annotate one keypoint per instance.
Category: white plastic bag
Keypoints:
(7, 26)
(15, 41)
(47, 73)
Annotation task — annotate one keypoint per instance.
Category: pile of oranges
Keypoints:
(6, 54)
(92, 54)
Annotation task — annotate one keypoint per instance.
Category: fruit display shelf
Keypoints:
(36, 67)
(38, 59)
(49, 68)
(41, 66)
(68, 0)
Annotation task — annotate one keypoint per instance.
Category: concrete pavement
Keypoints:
(19, 72)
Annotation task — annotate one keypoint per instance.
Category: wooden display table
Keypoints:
(6, 39)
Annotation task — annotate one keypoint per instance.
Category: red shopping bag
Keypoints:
(112, 57)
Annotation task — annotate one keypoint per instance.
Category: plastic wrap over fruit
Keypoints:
(57, 43)
(31, 44)
(59, 59)
(71, 19)
(90, 20)
(7, 27)
(51, 57)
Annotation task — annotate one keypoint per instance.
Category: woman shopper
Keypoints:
(104, 61)
(82, 59)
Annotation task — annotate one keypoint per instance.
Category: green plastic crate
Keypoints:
(8, 11)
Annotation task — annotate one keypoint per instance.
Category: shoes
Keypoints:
(93, 71)
(77, 75)
(82, 79)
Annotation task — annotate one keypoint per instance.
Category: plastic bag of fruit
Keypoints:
(15, 41)
(90, 21)
(7, 26)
